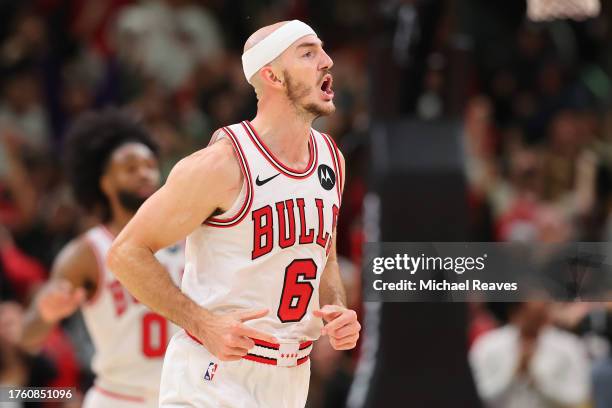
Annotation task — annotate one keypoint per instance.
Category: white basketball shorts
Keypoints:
(193, 377)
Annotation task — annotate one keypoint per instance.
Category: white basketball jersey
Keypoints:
(270, 249)
(129, 339)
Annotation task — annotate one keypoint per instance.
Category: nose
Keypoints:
(326, 62)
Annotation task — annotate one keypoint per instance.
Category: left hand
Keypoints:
(342, 326)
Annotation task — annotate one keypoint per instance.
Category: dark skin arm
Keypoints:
(74, 278)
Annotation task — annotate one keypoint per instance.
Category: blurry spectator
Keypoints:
(479, 144)
(516, 200)
(79, 79)
(91, 23)
(56, 217)
(21, 109)
(565, 144)
(167, 39)
(481, 321)
(553, 225)
(22, 273)
(27, 39)
(17, 195)
(529, 363)
(34, 204)
(596, 319)
(18, 369)
(429, 104)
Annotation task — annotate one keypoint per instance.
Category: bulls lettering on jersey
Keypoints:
(130, 340)
(282, 221)
(269, 250)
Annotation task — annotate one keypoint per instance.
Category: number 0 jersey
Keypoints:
(129, 339)
(270, 248)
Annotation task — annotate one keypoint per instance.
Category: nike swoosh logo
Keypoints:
(264, 181)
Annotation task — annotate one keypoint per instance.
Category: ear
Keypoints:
(269, 77)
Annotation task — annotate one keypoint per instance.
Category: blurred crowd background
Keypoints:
(534, 102)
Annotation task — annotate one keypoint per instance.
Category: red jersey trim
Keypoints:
(336, 162)
(260, 359)
(337, 151)
(271, 361)
(276, 346)
(246, 171)
(286, 170)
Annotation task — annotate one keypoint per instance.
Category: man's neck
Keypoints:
(120, 218)
(284, 132)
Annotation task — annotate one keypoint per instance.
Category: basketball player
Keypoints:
(113, 167)
(259, 207)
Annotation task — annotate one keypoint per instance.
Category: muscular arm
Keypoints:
(190, 196)
(196, 187)
(341, 326)
(73, 279)
(331, 289)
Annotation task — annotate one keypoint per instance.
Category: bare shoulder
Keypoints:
(198, 185)
(218, 161)
(76, 263)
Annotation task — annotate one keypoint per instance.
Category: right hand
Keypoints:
(228, 338)
(59, 299)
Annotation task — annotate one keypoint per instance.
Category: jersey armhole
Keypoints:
(236, 212)
(100, 272)
(333, 150)
(236, 206)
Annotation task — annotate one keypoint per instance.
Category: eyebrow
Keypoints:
(310, 44)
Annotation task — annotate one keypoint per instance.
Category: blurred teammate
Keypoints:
(259, 207)
(113, 168)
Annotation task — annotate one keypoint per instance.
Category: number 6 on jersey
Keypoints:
(297, 290)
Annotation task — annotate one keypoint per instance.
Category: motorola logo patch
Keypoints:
(327, 177)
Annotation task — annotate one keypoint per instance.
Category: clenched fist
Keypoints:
(227, 337)
(342, 326)
(59, 299)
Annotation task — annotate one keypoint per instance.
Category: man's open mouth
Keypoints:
(326, 86)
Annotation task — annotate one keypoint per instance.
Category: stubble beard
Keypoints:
(297, 91)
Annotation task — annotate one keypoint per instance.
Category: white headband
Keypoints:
(272, 46)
